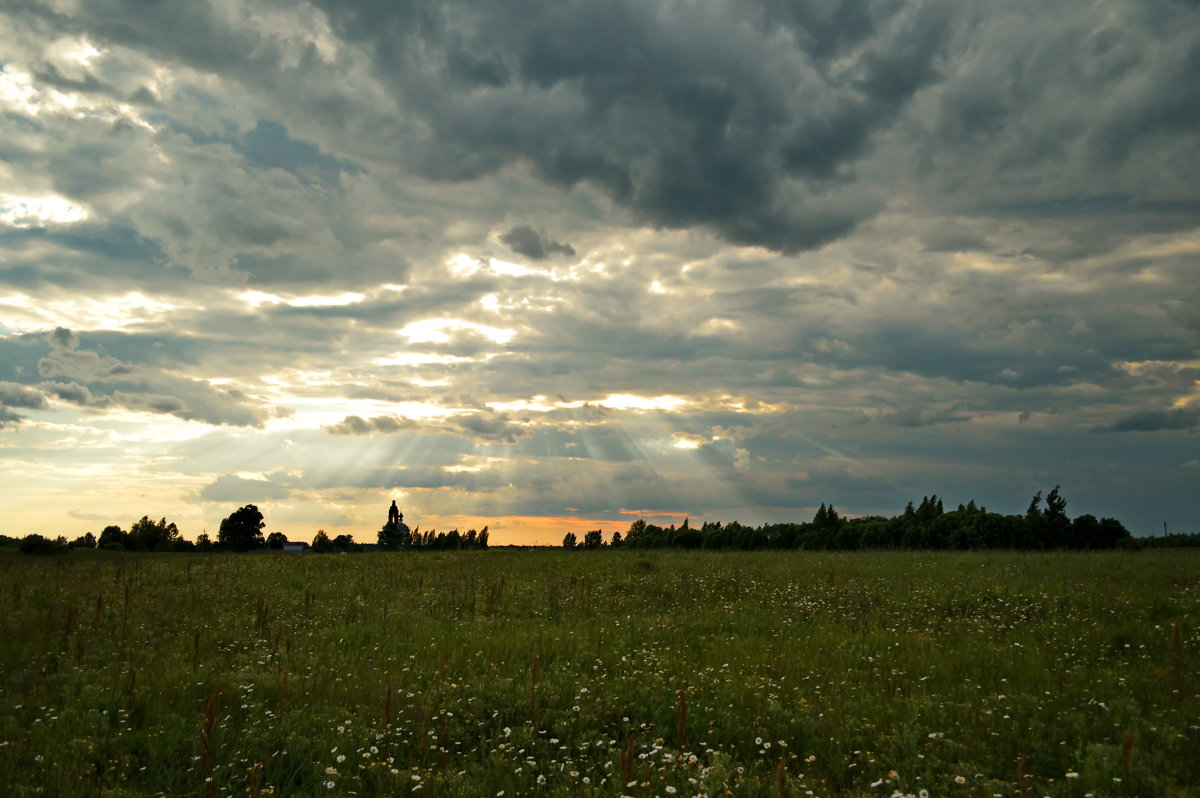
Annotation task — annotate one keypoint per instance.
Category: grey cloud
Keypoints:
(676, 123)
(85, 365)
(71, 392)
(164, 392)
(925, 416)
(231, 488)
(524, 240)
(64, 339)
(357, 425)
(153, 403)
(484, 427)
(15, 395)
(1180, 418)
(9, 417)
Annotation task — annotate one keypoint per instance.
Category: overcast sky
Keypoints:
(555, 266)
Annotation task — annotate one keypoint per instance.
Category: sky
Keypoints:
(556, 266)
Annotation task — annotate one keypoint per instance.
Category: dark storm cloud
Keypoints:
(674, 122)
(524, 240)
(1179, 418)
(664, 110)
(659, 107)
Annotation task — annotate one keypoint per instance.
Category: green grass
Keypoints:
(605, 673)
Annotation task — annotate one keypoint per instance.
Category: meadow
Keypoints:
(506, 672)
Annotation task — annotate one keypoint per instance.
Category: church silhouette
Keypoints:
(396, 519)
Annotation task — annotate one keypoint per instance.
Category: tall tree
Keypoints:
(147, 535)
(321, 543)
(112, 535)
(242, 530)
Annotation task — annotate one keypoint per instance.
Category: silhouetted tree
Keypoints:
(569, 541)
(321, 543)
(112, 536)
(275, 540)
(343, 542)
(84, 541)
(394, 536)
(147, 535)
(242, 530)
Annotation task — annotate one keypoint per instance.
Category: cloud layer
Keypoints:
(565, 260)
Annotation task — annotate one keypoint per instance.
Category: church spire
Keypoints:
(394, 515)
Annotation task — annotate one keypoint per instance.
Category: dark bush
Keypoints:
(38, 544)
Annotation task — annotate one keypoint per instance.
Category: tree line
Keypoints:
(242, 531)
(1044, 525)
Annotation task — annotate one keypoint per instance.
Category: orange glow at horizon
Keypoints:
(524, 530)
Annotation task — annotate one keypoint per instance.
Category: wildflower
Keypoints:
(670, 790)
(341, 758)
(960, 780)
(923, 794)
(329, 785)
(1072, 774)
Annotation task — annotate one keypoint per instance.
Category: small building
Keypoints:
(294, 547)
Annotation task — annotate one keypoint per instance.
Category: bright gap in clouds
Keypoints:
(258, 298)
(438, 331)
(420, 359)
(24, 314)
(22, 212)
(614, 401)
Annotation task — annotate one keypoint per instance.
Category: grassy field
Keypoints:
(615, 672)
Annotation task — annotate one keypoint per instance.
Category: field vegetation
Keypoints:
(613, 672)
